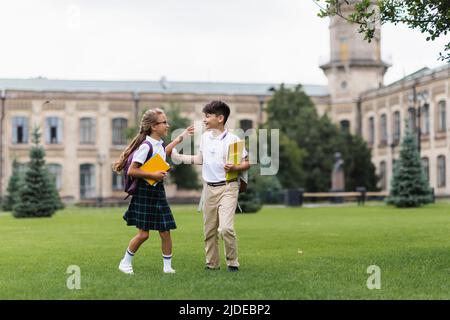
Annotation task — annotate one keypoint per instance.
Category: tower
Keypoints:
(355, 66)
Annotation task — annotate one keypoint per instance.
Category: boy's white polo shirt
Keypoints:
(141, 153)
(215, 152)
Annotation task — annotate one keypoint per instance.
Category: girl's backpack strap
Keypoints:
(150, 151)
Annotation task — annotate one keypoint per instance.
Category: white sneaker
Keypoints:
(126, 267)
(170, 270)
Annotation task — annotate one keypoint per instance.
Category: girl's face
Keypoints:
(161, 127)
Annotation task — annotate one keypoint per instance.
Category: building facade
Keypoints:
(83, 123)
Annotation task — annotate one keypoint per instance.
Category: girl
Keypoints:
(148, 209)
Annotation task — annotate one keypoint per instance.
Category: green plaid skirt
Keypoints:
(148, 209)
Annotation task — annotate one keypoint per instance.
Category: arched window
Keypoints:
(371, 130)
(442, 114)
(119, 126)
(383, 129)
(441, 171)
(412, 119)
(55, 171)
(19, 130)
(53, 130)
(117, 181)
(87, 131)
(425, 119)
(345, 125)
(87, 181)
(426, 168)
(396, 127)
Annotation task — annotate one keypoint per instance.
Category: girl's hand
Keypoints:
(159, 175)
(229, 167)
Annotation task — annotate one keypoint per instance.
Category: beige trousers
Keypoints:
(218, 219)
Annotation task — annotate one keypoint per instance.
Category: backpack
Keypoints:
(130, 184)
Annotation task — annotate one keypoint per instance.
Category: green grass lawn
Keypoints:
(285, 253)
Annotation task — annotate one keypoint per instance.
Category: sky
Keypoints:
(261, 41)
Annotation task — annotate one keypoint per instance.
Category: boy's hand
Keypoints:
(189, 131)
(229, 167)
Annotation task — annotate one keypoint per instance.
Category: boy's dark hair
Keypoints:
(219, 108)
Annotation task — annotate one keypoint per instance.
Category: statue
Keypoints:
(337, 175)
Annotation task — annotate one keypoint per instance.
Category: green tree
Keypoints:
(358, 167)
(409, 187)
(183, 175)
(308, 144)
(13, 189)
(431, 17)
(38, 196)
(250, 200)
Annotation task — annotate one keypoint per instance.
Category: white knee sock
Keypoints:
(167, 261)
(128, 258)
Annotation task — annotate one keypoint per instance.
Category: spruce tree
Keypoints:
(409, 187)
(250, 200)
(13, 189)
(37, 197)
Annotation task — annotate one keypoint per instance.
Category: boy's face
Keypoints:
(212, 121)
(161, 127)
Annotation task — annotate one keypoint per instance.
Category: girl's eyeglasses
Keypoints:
(165, 122)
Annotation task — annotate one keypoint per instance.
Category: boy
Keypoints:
(220, 196)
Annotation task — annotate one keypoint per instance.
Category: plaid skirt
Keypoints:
(148, 209)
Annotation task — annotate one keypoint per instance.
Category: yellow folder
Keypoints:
(234, 156)
(155, 163)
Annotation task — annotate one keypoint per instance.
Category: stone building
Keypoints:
(83, 122)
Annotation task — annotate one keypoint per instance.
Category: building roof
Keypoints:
(162, 86)
(420, 73)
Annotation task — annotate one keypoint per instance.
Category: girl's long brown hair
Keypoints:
(149, 118)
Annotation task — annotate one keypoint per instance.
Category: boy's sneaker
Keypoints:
(233, 268)
(126, 267)
(169, 270)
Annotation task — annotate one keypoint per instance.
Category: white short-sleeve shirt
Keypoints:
(141, 153)
(215, 152)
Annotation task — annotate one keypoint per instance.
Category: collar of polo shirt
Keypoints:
(154, 141)
(220, 136)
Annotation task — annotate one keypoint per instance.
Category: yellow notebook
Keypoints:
(234, 156)
(155, 163)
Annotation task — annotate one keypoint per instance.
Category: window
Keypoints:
(441, 171)
(412, 119)
(246, 124)
(118, 131)
(87, 131)
(87, 181)
(371, 130)
(345, 125)
(442, 114)
(19, 130)
(396, 127)
(117, 181)
(55, 171)
(383, 177)
(22, 169)
(426, 168)
(53, 130)
(425, 119)
(383, 129)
